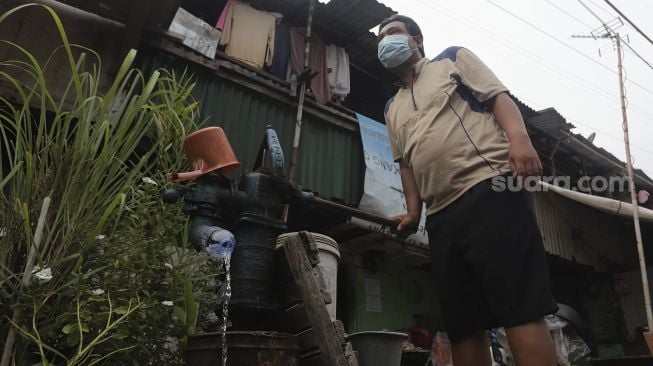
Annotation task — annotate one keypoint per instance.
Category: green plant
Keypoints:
(118, 256)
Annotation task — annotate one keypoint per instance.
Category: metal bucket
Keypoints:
(244, 349)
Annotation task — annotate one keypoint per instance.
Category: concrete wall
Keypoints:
(34, 29)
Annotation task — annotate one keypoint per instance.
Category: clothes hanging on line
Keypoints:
(281, 57)
(338, 68)
(249, 35)
(224, 15)
(319, 84)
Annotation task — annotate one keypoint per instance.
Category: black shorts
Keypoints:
(488, 262)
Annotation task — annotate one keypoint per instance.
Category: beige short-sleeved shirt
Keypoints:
(442, 130)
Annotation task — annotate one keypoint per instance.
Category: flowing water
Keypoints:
(225, 306)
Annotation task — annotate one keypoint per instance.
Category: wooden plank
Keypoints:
(312, 252)
(313, 300)
(350, 355)
(340, 331)
(307, 342)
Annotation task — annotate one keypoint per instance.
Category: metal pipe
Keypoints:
(349, 211)
(633, 196)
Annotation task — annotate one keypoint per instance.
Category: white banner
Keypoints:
(383, 194)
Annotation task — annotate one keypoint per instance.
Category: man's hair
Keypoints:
(411, 26)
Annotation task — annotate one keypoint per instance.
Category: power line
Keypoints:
(592, 128)
(596, 16)
(629, 22)
(568, 13)
(609, 32)
(528, 54)
(600, 8)
(636, 108)
(564, 43)
(487, 33)
(638, 55)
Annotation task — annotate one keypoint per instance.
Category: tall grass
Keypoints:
(88, 150)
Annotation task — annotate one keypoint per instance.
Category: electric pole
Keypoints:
(631, 185)
(607, 31)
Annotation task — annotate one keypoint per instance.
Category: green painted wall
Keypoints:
(407, 296)
(330, 157)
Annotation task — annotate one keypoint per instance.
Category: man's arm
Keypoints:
(524, 160)
(407, 223)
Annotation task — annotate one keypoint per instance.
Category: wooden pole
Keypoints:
(633, 195)
(300, 107)
(25, 281)
(302, 94)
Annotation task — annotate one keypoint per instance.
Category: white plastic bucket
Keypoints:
(329, 257)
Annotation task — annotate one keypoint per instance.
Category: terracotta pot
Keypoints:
(648, 336)
(207, 150)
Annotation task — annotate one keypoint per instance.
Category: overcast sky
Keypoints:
(555, 70)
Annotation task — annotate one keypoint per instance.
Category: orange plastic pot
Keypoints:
(207, 150)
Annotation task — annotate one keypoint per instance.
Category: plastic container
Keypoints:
(378, 348)
(218, 242)
(329, 254)
(329, 258)
(207, 150)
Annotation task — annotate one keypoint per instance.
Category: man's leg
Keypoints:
(531, 344)
(473, 350)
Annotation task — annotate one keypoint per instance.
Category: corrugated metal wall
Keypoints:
(330, 157)
(602, 240)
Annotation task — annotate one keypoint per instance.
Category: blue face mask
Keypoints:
(394, 50)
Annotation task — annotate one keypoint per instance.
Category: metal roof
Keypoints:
(160, 12)
(554, 125)
(345, 23)
(550, 122)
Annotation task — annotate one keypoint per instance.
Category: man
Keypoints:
(453, 128)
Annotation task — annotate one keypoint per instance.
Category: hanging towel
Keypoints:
(317, 62)
(249, 35)
(338, 67)
(279, 65)
(224, 15)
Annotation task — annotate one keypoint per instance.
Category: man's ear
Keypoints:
(420, 40)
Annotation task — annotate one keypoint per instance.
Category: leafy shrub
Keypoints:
(123, 287)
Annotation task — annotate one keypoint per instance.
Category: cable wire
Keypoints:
(591, 128)
(638, 55)
(606, 12)
(629, 22)
(487, 32)
(612, 34)
(568, 13)
(608, 95)
(564, 43)
(607, 29)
